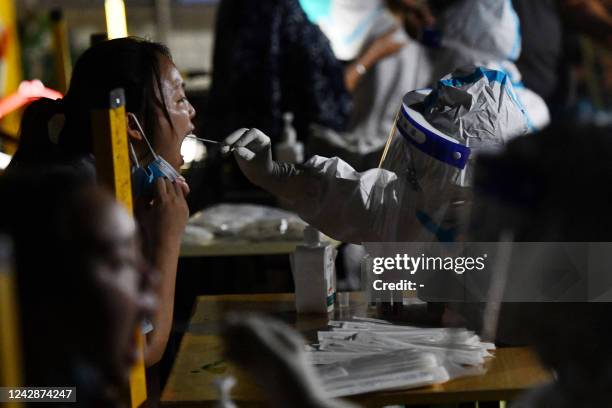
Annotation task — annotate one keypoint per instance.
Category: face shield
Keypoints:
(432, 147)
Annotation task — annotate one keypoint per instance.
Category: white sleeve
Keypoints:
(349, 206)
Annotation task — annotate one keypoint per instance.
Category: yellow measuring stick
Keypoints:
(10, 352)
(63, 66)
(111, 149)
(10, 65)
(113, 172)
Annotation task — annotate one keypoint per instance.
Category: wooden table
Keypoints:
(233, 247)
(199, 360)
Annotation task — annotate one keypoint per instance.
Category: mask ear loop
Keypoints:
(144, 136)
(133, 154)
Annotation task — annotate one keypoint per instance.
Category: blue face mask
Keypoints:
(143, 178)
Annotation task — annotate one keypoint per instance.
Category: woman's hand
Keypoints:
(163, 218)
(184, 186)
(163, 221)
(169, 209)
(387, 44)
(383, 46)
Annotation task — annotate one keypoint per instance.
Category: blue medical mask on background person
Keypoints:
(143, 178)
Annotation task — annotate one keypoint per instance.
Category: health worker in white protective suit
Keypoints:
(465, 32)
(424, 177)
(484, 33)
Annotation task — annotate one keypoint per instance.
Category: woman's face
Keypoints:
(169, 136)
(123, 291)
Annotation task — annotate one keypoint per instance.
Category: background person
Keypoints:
(381, 64)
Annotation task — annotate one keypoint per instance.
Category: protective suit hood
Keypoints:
(486, 33)
(482, 30)
(474, 109)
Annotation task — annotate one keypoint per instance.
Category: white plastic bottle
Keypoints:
(224, 386)
(314, 274)
(289, 149)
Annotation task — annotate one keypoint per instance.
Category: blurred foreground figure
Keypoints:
(274, 354)
(84, 287)
(534, 204)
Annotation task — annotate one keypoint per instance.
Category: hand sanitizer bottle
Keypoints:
(314, 274)
(289, 149)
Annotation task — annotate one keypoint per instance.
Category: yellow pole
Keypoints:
(113, 172)
(63, 64)
(116, 22)
(10, 352)
(10, 64)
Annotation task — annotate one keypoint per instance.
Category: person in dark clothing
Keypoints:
(550, 31)
(270, 59)
(542, 45)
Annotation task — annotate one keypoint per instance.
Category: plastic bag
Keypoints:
(250, 222)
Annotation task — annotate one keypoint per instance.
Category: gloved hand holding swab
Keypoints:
(253, 152)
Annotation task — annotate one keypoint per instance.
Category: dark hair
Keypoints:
(129, 63)
(550, 179)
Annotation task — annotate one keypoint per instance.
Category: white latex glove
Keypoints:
(253, 152)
